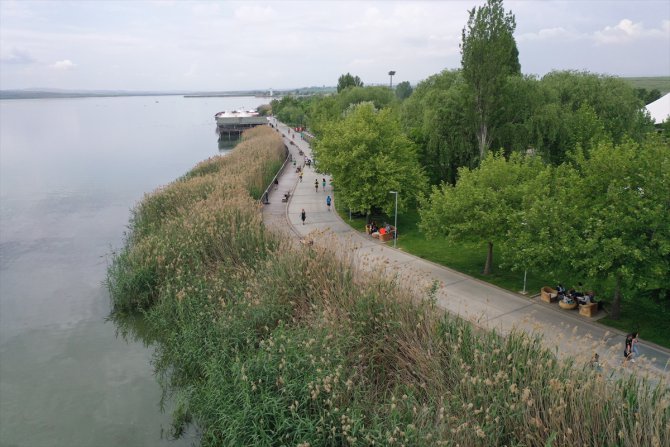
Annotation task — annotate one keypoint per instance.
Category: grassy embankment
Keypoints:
(264, 343)
(662, 83)
(644, 315)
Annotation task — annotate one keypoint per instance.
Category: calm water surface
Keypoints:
(70, 171)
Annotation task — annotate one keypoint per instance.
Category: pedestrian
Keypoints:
(328, 200)
(324, 185)
(276, 184)
(300, 176)
(316, 185)
(630, 349)
(303, 216)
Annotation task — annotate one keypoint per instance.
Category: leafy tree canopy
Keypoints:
(488, 57)
(367, 155)
(483, 204)
(403, 90)
(348, 80)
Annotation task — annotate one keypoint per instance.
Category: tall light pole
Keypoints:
(391, 73)
(395, 232)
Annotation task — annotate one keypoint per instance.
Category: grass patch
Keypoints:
(647, 316)
(662, 83)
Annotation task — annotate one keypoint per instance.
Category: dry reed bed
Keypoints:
(263, 342)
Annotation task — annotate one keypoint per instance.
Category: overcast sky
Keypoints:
(221, 45)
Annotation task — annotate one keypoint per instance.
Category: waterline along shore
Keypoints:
(262, 341)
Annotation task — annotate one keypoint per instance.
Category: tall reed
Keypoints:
(263, 342)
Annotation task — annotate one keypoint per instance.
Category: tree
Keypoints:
(611, 99)
(617, 215)
(367, 155)
(403, 90)
(488, 56)
(438, 120)
(347, 80)
(484, 203)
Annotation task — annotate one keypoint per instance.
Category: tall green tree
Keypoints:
(604, 217)
(484, 203)
(368, 155)
(488, 56)
(403, 90)
(617, 216)
(438, 119)
(348, 80)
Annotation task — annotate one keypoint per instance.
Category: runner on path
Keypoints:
(324, 185)
(303, 216)
(316, 185)
(328, 202)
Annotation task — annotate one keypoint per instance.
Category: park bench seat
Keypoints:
(548, 295)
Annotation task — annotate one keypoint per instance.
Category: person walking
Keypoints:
(303, 216)
(300, 176)
(328, 200)
(630, 350)
(316, 185)
(324, 185)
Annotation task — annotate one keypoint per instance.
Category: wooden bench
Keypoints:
(388, 236)
(588, 310)
(548, 295)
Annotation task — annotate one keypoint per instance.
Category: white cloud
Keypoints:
(17, 56)
(626, 30)
(65, 64)
(255, 14)
(549, 34)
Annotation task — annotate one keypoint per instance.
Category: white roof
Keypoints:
(660, 109)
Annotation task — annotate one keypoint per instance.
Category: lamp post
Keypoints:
(395, 232)
(391, 73)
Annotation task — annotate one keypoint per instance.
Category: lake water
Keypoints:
(70, 171)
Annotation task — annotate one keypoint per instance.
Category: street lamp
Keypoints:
(391, 73)
(395, 232)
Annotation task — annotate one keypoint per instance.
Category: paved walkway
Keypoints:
(486, 305)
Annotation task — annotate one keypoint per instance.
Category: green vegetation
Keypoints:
(256, 352)
(660, 83)
(488, 57)
(347, 81)
(464, 257)
(544, 200)
(365, 150)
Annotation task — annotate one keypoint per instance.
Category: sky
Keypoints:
(172, 45)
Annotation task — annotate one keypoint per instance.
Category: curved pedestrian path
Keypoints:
(483, 304)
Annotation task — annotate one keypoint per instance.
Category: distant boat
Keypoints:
(237, 120)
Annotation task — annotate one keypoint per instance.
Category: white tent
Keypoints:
(660, 109)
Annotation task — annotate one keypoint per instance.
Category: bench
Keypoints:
(588, 310)
(548, 295)
(388, 236)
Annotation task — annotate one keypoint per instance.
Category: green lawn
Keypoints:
(662, 83)
(649, 318)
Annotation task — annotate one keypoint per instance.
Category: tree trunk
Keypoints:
(616, 304)
(483, 140)
(489, 260)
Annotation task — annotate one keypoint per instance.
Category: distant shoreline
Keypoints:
(49, 95)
